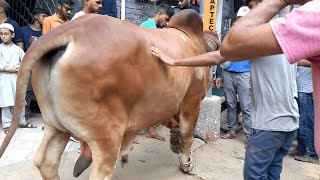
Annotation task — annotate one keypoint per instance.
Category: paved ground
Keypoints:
(25, 143)
(151, 159)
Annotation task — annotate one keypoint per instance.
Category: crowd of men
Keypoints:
(276, 98)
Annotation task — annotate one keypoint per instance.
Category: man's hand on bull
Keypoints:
(206, 59)
(158, 53)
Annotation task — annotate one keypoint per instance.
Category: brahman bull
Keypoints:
(96, 78)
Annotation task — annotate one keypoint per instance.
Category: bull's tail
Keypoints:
(41, 47)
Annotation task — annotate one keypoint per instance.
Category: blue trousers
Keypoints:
(306, 124)
(265, 152)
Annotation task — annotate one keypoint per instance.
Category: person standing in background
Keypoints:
(18, 37)
(109, 7)
(305, 150)
(89, 6)
(33, 31)
(61, 16)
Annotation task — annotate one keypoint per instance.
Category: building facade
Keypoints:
(137, 11)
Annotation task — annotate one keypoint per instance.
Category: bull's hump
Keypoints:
(188, 21)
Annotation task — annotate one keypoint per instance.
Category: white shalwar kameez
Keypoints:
(10, 55)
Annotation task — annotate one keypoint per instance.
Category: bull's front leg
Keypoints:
(188, 121)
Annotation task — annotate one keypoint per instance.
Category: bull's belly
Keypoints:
(78, 112)
(81, 114)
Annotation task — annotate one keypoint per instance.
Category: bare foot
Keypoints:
(156, 136)
(135, 142)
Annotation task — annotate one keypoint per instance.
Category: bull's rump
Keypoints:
(108, 74)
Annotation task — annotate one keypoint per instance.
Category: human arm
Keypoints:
(218, 71)
(20, 44)
(304, 63)
(5, 68)
(252, 36)
(21, 55)
(207, 59)
(46, 26)
(10, 69)
(218, 82)
(244, 39)
(218, 76)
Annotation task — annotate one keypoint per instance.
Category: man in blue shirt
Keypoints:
(159, 20)
(33, 31)
(236, 81)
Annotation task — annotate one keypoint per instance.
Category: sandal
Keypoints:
(6, 130)
(135, 141)
(229, 135)
(156, 136)
(27, 125)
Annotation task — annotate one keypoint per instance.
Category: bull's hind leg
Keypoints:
(105, 152)
(188, 118)
(48, 155)
(126, 145)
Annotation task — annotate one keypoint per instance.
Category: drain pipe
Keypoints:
(123, 10)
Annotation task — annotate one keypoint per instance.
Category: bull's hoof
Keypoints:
(124, 160)
(81, 165)
(188, 167)
(175, 141)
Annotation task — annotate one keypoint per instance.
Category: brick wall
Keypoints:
(137, 11)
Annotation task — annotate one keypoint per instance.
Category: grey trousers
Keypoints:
(237, 84)
(6, 114)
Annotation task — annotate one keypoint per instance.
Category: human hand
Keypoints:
(158, 53)
(11, 69)
(218, 82)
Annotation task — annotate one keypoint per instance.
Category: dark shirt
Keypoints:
(109, 7)
(218, 71)
(17, 31)
(191, 6)
(194, 7)
(29, 36)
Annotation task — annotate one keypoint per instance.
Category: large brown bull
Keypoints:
(96, 78)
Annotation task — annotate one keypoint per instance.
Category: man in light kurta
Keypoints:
(10, 58)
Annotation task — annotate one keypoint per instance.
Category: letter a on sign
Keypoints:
(209, 15)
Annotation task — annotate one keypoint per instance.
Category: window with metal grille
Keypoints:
(20, 11)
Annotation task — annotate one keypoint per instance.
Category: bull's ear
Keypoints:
(211, 40)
